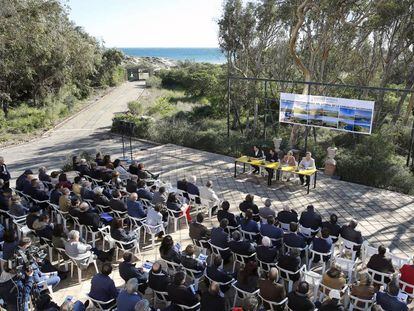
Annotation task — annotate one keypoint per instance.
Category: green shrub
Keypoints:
(135, 107)
(153, 82)
(162, 107)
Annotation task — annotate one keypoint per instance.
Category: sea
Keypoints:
(199, 55)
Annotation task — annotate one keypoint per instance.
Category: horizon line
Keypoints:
(164, 47)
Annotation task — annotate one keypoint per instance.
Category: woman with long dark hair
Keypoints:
(168, 251)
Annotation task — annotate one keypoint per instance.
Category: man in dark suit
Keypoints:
(158, 279)
(86, 191)
(142, 192)
(380, 263)
(88, 217)
(249, 204)
(310, 218)
(291, 262)
(266, 252)
(287, 215)
(298, 299)
(191, 186)
(389, 300)
(115, 203)
(103, 287)
(22, 180)
(211, 300)
(197, 230)
(270, 289)
(270, 230)
(221, 238)
(292, 238)
(215, 273)
(224, 213)
(348, 232)
(35, 192)
(127, 270)
(84, 167)
(188, 261)
(322, 244)
(238, 246)
(132, 184)
(332, 225)
(182, 185)
(259, 154)
(179, 293)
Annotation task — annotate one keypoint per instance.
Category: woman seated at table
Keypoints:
(271, 157)
(307, 163)
(288, 160)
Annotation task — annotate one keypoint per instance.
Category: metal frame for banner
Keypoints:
(309, 84)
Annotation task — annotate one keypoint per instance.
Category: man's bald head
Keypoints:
(156, 267)
(133, 196)
(273, 274)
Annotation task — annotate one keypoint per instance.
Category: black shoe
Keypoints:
(305, 185)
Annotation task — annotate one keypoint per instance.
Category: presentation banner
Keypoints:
(351, 115)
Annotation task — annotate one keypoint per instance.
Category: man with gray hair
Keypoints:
(266, 252)
(142, 305)
(129, 297)
(267, 210)
(270, 289)
(192, 188)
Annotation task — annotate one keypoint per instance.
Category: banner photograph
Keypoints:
(351, 115)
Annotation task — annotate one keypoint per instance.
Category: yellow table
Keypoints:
(274, 166)
(256, 162)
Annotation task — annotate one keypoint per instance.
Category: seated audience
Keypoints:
(380, 263)
(266, 252)
(333, 303)
(270, 230)
(128, 297)
(145, 174)
(158, 279)
(132, 184)
(179, 293)
(123, 173)
(224, 213)
(239, 246)
(35, 191)
(267, 210)
(332, 225)
(189, 261)
(182, 185)
(23, 180)
(99, 198)
(143, 305)
(348, 232)
(118, 233)
(116, 202)
(334, 278)
(82, 252)
(210, 195)
(287, 215)
(310, 218)
(65, 200)
(247, 277)
(84, 167)
(249, 204)
(103, 287)
(169, 251)
(298, 299)
(248, 224)
(220, 238)
(127, 271)
(88, 217)
(212, 300)
(17, 208)
(292, 238)
(217, 274)
(173, 204)
(142, 192)
(290, 261)
(160, 197)
(364, 288)
(322, 244)
(43, 227)
(197, 230)
(388, 300)
(156, 219)
(134, 207)
(271, 290)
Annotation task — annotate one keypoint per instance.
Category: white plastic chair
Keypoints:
(91, 260)
(398, 261)
(191, 273)
(405, 286)
(356, 303)
(176, 219)
(325, 290)
(216, 250)
(366, 252)
(241, 259)
(308, 233)
(265, 266)
(273, 304)
(153, 231)
(287, 275)
(160, 297)
(384, 278)
(173, 266)
(247, 235)
(192, 308)
(348, 246)
(347, 266)
(314, 254)
(313, 279)
(99, 304)
(201, 244)
(300, 250)
(241, 294)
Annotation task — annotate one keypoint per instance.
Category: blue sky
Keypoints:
(149, 23)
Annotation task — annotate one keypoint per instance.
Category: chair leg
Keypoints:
(235, 299)
(79, 275)
(50, 254)
(96, 266)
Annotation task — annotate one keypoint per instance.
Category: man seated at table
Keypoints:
(307, 163)
(257, 153)
(271, 157)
